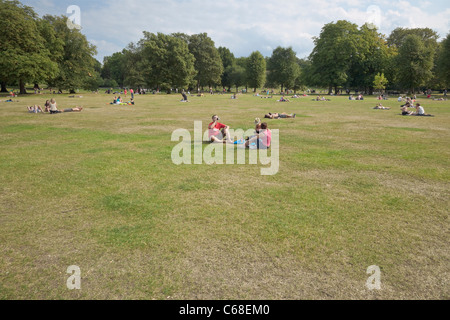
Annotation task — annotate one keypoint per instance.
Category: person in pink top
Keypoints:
(125, 92)
(218, 132)
(263, 140)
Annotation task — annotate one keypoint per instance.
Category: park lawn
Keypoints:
(356, 187)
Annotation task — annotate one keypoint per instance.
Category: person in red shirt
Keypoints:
(218, 132)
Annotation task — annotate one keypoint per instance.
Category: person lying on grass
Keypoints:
(218, 132)
(380, 107)
(280, 116)
(76, 109)
(35, 109)
(262, 140)
(54, 108)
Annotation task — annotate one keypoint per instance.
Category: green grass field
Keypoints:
(356, 187)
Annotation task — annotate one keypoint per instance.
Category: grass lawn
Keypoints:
(356, 187)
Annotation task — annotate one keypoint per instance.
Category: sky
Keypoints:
(243, 26)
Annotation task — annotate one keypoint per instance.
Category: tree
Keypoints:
(76, 64)
(333, 53)
(114, 68)
(24, 55)
(415, 62)
(166, 61)
(256, 70)
(371, 57)
(135, 67)
(208, 63)
(301, 80)
(283, 68)
(380, 82)
(227, 58)
(443, 62)
(398, 36)
(237, 74)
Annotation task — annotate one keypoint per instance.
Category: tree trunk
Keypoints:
(4, 89)
(330, 90)
(23, 90)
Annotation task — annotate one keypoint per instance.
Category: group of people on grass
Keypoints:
(358, 98)
(420, 111)
(51, 107)
(220, 133)
(119, 101)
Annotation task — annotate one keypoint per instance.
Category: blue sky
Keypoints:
(243, 26)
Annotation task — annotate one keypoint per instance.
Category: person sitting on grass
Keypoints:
(35, 109)
(257, 129)
(185, 98)
(420, 111)
(47, 106)
(273, 116)
(405, 111)
(218, 132)
(283, 99)
(262, 140)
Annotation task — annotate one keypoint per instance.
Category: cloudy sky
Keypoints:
(243, 26)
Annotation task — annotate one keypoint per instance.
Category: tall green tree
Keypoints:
(333, 53)
(208, 63)
(443, 62)
(227, 58)
(77, 62)
(301, 80)
(371, 57)
(24, 56)
(136, 70)
(167, 61)
(237, 73)
(283, 68)
(415, 62)
(256, 70)
(114, 68)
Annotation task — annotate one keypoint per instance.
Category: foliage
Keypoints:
(283, 68)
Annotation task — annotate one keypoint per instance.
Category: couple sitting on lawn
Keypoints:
(420, 111)
(219, 133)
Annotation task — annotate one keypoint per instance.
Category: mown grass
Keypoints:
(98, 189)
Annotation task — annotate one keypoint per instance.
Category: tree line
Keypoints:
(345, 56)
